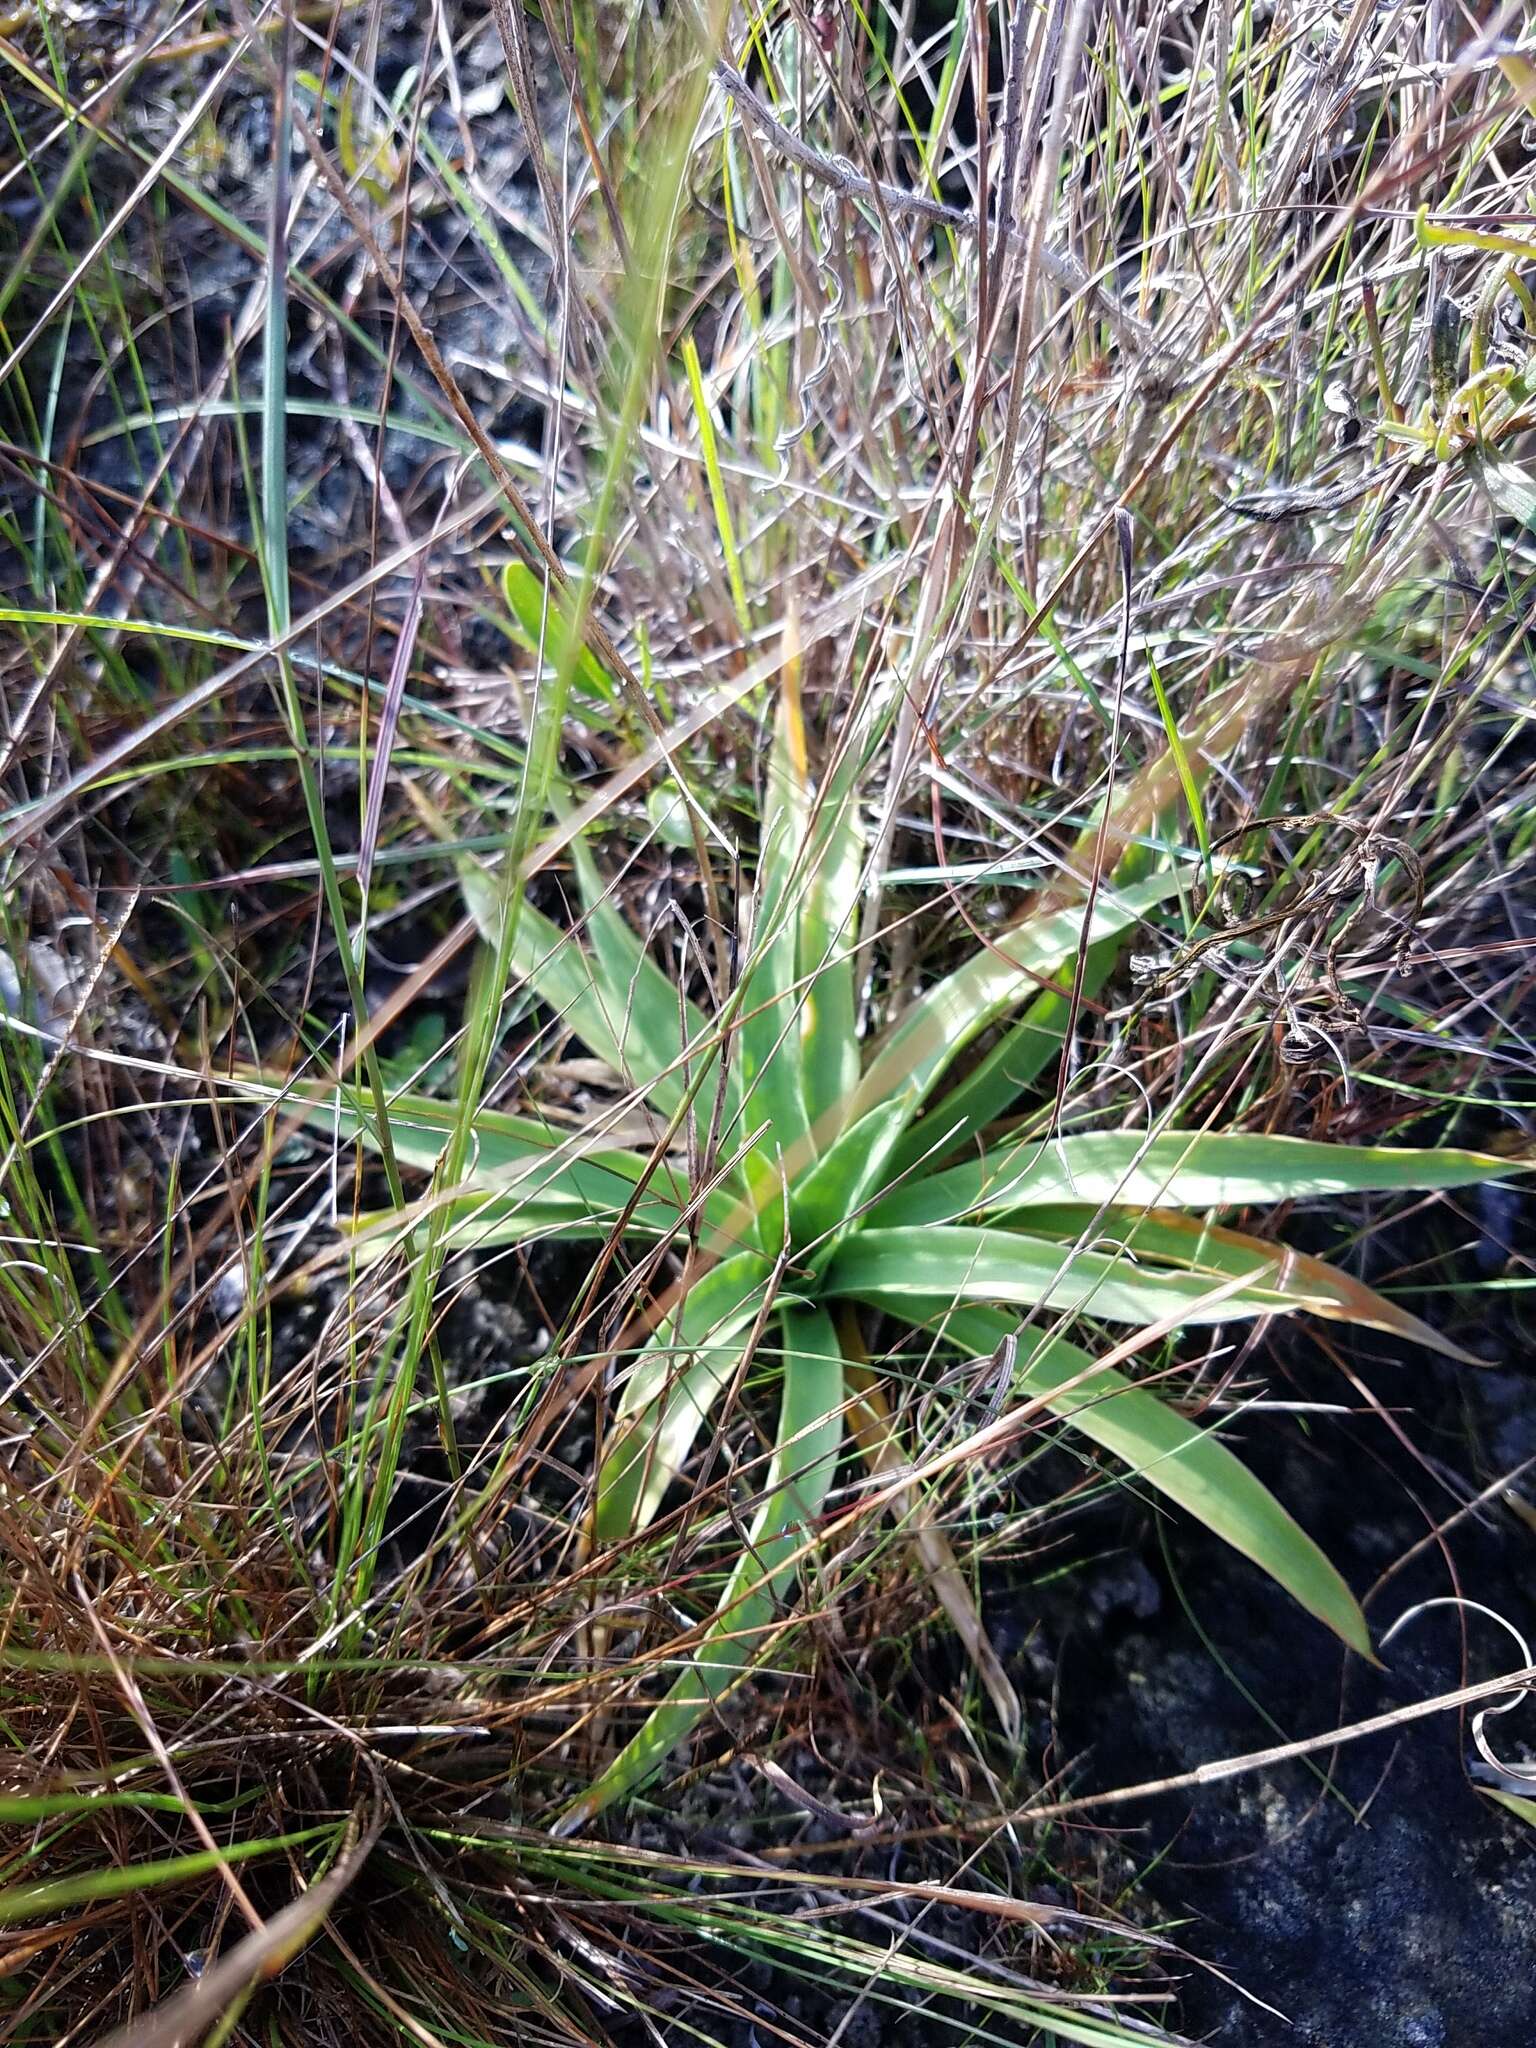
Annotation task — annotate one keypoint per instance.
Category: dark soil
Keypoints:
(1371, 1894)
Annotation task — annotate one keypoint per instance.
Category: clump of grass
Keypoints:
(1003, 483)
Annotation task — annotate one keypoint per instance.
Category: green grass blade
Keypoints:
(272, 549)
(720, 503)
(215, 1998)
(1186, 777)
(34, 1901)
(542, 618)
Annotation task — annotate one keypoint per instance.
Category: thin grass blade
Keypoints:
(189, 2012)
(874, 1431)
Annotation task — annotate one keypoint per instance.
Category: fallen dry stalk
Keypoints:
(1285, 1752)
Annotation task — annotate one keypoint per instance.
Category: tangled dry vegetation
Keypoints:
(447, 460)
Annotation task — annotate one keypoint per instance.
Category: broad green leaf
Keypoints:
(481, 1223)
(567, 1182)
(996, 1082)
(1190, 1466)
(1119, 1277)
(1175, 1170)
(658, 1020)
(949, 1015)
(675, 1381)
(509, 1150)
(827, 935)
(830, 1193)
(552, 962)
(1213, 1254)
(799, 1475)
(994, 1085)
(891, 1269)
(540, 620)
(770, 1036)
(630, 1037)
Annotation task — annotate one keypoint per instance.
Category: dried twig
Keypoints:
(850, 183)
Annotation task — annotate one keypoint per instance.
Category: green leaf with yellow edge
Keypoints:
(1177, 1170)
(890, 1269)
(1191, 1250)
(810, 1431)
(673, 1384)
